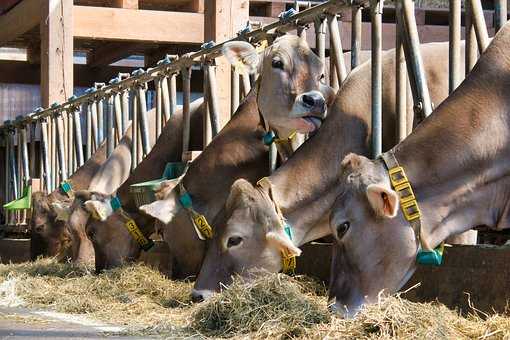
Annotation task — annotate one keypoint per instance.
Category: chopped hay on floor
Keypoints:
(271, 306)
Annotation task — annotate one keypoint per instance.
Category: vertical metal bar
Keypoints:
(88, 141)
(213, 98)
(117, 106)
(12, 162)
(100, 122)
(186, 93)
(172, 83)
(70, 142)
(500, 13)
(77, 138)
(166, 98)
(356, 36)
(320, 38)
(159, 106)
(54, 153)
(24, 154)
(471, 46)
(134, 133)
(206, 122)
(336, 50)
(401, 80)
(95, 127)
(454, 56)
(110, 135)
(414, 61)
(376, 7)
(125, 111)
(480, 27)
(142, 117)
(61, 147)
(32, 150)
(234, 93)
(45, 154)
(246, 83)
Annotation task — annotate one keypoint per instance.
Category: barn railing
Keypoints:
(106, 109)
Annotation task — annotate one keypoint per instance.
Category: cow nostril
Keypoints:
(196, 296)
(308, 100)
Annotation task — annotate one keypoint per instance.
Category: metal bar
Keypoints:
(45, 154)
(471, 45)
(142, 117)
(110, 133)
(206, 122)
(12, 162)
(70, 142)
(88, 141)
(32, 150)
(54, 153)
(356, 37)
(414, 62)
(61, 148)
(273, 157)
(100, 122)
(376, 7)
(212, 98)
(186, 94)
(482, 36)
(77, 138)
(125, 111)
(117, 106)
(134, 134)
(234, 93)
(166, 98)
(172, 83)
(454, 56)
(24, 154)
(246, 83)
(159, 106)
(320, 38)
(500, 13)
(401, 80)
(336, 49)
(95, 133)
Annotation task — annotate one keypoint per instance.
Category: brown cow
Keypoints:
(304, 188)
(456, 164)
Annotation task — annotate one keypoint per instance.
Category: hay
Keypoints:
(271, 306)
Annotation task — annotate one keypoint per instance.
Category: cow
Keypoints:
(292, 95)
(457, 163)
(251, 232)
(107, 238)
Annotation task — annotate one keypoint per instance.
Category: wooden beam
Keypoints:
(197, 6)
(127, 4)
(220, 25)
(127, 25)
(56, 51)
(19, 20)
(112, 52)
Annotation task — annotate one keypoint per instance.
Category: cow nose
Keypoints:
(308, 100)
(199, 295)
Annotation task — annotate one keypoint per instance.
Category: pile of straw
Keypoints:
(271, 306)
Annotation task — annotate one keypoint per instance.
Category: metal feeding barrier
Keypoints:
(49, 143)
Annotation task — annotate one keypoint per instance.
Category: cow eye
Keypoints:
(277, 63)
(234, 241)
(342, 228)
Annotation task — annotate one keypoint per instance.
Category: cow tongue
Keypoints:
(317, 122)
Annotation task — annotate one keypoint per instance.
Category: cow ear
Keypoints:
(241, 53)
(62, 209)
(164, 209)
(99, 209)
(383, 200)
(280, 240)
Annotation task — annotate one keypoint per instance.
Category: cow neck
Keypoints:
(458, 159)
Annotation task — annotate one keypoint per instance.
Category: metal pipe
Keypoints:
(166, 99)
(336, 49)
(13, 170)
(54, 153)
(24, 155)
(125, 111)
(78, 139)
(100, 122)
(471, 55)
(32, 149)
(246, 83)
(376, 8)
(273, 157)
(500, 13)
(234, 93)
(134, 133)
(61, 148)
(454, 56)
(70, 142)
(142, 117)
(356, 36)
(88, 142)
(206, 122)
(320, 38)
(172, 83)
(186, 94)
(95, 133)
(117, 106)
(421, 96)
(159, 106)
(212, 98)
(480, 27)
(401, 79)
(110, 135)
(45, 154)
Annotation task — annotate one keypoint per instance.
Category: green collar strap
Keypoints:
(409, 205)
(202, 227)
(67, 188)
(131, 226)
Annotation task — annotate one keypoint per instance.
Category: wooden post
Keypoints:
(454, 56)
(56, 51)
(220, 25)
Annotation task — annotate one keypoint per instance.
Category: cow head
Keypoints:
(251, 237)
(49, 235)
(292, 96)
(375, 247)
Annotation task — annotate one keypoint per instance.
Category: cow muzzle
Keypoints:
(199, 295)
(311, 108)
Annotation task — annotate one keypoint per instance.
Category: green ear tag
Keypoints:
(115, 203)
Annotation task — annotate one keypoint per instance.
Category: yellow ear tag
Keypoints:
(136, 233)
(203, 228)
(263, 45)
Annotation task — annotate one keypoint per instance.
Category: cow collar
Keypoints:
(131, 226)
(67, 188)
(288, 261)
(203, 229)
(409, 205)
